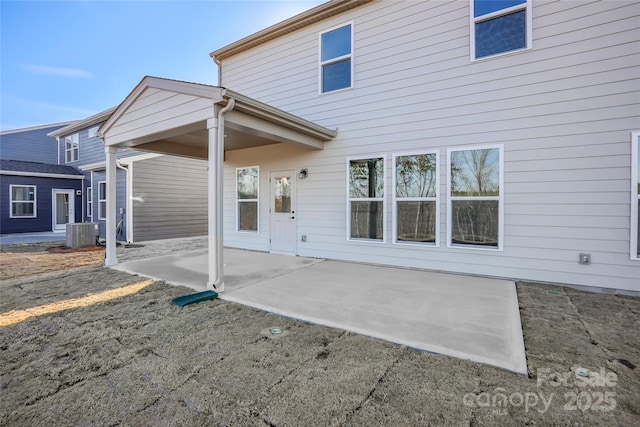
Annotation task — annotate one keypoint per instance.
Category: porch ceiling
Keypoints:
(170, 117)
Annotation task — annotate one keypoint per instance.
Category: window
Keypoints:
(23, 201)
(91, 132)
(102, 200)
(366, 198)
(71, 148)
(90, 202)
(415, 198)
(336, 59)
(247, 184)
(635, 195)
(499, 26)
(475, 197)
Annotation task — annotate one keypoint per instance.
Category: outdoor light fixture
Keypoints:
(303, 174)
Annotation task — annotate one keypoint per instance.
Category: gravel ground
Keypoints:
(140, 360)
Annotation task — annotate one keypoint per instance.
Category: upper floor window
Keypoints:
(336, 59)
(475, 203)
(23, 201)
(635, 195)
(499, 26)
(72, 148)
(366, 198)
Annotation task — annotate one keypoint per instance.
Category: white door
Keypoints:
(63, 209)
(283, 214)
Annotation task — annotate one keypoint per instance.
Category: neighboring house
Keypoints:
(158, 196)
(486, 138)
(36, 194)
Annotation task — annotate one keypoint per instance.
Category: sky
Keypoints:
(67, 60)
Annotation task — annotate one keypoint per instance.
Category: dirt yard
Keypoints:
(86, 345)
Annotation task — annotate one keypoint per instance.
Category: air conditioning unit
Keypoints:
(82, 234)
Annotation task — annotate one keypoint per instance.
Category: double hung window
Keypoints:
(336, 59)
(415, 198)
(72, 148)
(23, 201)
(499, 26)
(102, 200)
(90, 202)
(366, 198)
(475, 203)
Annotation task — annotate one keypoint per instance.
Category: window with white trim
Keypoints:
(475, 202)
(635, 195)
(365, 192)
(72, 148)
(247, 196)
(499, 26)
(415, 205)
(90, 202)
(91, 132)
(22, 201)
(102, 200)
(336, 58)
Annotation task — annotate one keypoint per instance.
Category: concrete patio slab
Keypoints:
(461, 316)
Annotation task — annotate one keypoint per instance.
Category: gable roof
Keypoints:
(83, 124)
(19, 167)
(311, 16)
(170, 116)
(33, 128)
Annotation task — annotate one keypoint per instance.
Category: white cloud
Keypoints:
(57, 71)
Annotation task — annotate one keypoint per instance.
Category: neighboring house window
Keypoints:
(635, 195)
(102, 200)
(415, 198)
(90, 202)
(366, 198)
(475, 204)
(336, 59)
(499, 26)
(72, 148)
(23, 201)
(247, 185)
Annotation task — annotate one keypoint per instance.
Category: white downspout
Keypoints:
(216, 197)
(219, 64)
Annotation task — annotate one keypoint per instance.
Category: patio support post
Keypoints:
(111, 258)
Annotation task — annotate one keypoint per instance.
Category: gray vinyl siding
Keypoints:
(169, 198)
(91, 149)
(30, 145)
(563, 111)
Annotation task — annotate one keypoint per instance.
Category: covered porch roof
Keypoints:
(170, 117)
(201, 121)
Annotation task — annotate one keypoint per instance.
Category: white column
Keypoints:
(110, 232)
(216, 278)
